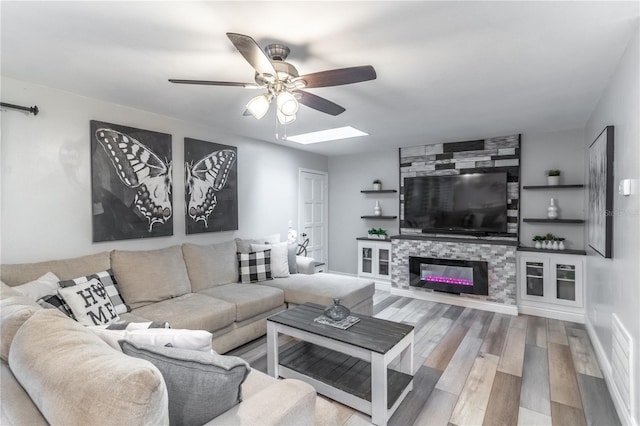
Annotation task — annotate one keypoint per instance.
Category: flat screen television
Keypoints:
(474, 203)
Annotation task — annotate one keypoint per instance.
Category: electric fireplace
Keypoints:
(449, 275)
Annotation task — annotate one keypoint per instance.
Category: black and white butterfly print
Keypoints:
(203, 180)
(140, 168)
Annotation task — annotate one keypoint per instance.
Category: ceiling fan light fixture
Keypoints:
(258, 106)
(287, 103)
(285, 119)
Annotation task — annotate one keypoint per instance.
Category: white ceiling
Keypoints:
(446, 70)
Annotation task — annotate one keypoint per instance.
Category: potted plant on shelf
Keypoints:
(379, 234)
(553, 177)
(377, 185)
(538, 241)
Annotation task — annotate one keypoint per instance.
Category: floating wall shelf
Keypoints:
(554, 220)
(565, 251)
(552, 186)
(378, 217)
(379, 191)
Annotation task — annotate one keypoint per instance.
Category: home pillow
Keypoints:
(89, 303)
(74, 378)
(110, 284)
(255, 266)
(149, 276)
(279, 258)
(201, 385)
(35, 290)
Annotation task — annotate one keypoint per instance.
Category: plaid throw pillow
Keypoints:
(255, 266)
(109, 282)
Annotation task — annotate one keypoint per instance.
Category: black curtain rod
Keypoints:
(33, 110)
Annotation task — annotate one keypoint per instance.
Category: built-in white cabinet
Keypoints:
(374, 260)
(551, 285)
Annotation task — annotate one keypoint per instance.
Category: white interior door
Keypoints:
(313, 212)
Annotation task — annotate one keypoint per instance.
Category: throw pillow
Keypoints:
(201, 385)
(255, 267)
(35, 290)
(197, 340)
(244, 245)
(55, 302)
(110, 284)
(279, 258)
(89, 303)
(292, 252)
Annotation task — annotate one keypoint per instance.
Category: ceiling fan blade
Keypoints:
(253, 54)
(216, 83)
(339, 76)
(318, 103)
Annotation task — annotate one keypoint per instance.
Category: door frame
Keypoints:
(325, 236)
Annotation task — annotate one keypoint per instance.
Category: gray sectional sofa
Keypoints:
(189, 286)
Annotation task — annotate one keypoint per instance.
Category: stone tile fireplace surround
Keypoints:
(499, 255)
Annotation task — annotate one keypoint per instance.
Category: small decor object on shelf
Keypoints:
(538, 241)
(377, 211)
(553, 177)
(378, 234)
(561, 244)
(337, 312)
(377, 185)
(552, 210)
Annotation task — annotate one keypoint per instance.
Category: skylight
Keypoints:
(327, 135)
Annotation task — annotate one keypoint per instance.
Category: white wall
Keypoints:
(613, 285)
(348, 175)
(563, 150)
(46, 181)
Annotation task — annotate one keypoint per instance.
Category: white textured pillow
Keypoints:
(199, 340)
(35, 290)
(89, 303)
(279, 258)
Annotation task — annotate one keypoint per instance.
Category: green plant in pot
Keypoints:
(537, 241)
(377, 185)
(553, 177)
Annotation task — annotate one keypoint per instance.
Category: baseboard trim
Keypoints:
(605, 366)
(552, 313)
(458, 301)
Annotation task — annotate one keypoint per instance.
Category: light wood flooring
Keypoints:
(481, 368)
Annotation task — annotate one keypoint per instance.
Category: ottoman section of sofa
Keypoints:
(192, 311)
(250, 299)
(323, 288)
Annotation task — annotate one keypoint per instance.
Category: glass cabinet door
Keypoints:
(367, 260)
(383, 262)
(534, 278)
(566, 282)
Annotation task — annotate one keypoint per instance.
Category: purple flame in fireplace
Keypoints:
(448, 280)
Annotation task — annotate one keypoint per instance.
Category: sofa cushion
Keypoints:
(17, 408)
(255, 266)
(89, 303)
(279, 258)
(194, 311)
(73, 377)
(292, 251)
(64, 269)
(110, 284)
(212, 265)
(149, 276)
(14, 311)
(199, 340)
(250, 299)
(323, 288)
(35, 290)
(201, 385)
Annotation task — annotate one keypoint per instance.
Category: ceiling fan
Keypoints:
(283, 83)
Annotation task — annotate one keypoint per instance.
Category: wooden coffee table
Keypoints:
(350, 366)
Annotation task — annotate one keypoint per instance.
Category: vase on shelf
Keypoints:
(552, 210)
(561, 245)
(336, 312)
(377, 186)
(377, 211)
(538, 245)
(554, 246)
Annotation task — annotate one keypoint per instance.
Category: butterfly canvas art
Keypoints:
(131, 172)
(211, 187)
